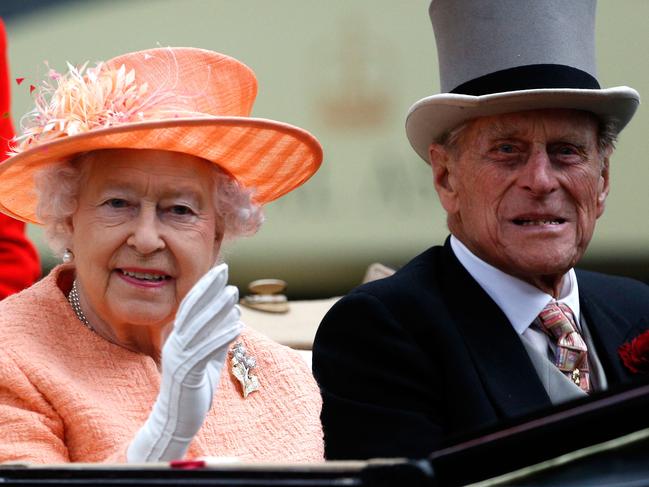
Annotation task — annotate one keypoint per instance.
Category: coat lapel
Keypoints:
(609, 330)
(499, 356)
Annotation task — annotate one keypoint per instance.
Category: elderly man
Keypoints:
(496, 324)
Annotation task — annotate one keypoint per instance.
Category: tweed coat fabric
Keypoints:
(68, 395)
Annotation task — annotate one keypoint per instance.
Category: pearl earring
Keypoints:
(68, 256)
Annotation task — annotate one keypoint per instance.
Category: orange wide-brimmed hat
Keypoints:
(179, 99)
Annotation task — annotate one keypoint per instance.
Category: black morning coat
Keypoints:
(409, 362)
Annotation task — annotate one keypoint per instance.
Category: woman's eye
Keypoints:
(116, 203)
(181, 210)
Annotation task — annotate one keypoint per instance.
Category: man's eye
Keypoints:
(566, 151)
(116, 203)
(506, 148)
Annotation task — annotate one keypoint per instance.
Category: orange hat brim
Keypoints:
(269, 157)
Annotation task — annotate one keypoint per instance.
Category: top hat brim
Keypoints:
(431, 117)
(269, 157)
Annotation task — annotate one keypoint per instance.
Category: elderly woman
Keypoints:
(132, 349)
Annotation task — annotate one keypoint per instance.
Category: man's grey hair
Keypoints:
(607, 133)
(58, 187)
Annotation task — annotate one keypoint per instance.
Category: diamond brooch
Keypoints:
(242, 364)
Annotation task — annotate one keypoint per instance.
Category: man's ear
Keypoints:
(443, 177)
(604, 183)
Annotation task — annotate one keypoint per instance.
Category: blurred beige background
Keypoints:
(347, 70)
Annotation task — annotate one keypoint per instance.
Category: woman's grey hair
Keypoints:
(58, 186)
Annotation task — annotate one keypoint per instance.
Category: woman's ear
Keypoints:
(443, 178)
(68, 227)
(216, 249)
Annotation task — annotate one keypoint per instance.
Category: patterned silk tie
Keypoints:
(558, 322)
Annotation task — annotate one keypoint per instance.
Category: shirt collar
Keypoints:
(520, 301)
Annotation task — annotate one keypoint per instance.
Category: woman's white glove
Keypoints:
(206, 323)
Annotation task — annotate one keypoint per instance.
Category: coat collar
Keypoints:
(520, 301)
(499, 356)
(609, 331)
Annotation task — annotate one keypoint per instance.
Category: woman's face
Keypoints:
(143, 234)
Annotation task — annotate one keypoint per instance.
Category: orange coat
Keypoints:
(68, 395)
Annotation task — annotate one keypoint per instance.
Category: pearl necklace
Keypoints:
(73, 299)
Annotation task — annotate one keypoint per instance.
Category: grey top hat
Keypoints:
(502, 56)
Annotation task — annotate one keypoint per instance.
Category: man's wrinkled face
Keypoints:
(523, 190)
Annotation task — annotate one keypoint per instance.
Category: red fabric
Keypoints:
(19, 263)
(635, 354)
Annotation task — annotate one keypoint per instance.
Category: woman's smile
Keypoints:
(144, 233)
(152, 278)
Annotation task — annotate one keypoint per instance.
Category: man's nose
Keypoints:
(146, 237)
(538, 175)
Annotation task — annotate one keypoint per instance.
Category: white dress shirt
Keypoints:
(522, 302)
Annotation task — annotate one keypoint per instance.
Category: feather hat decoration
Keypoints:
(185, 100)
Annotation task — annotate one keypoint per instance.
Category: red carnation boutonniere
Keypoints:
(635, 354)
